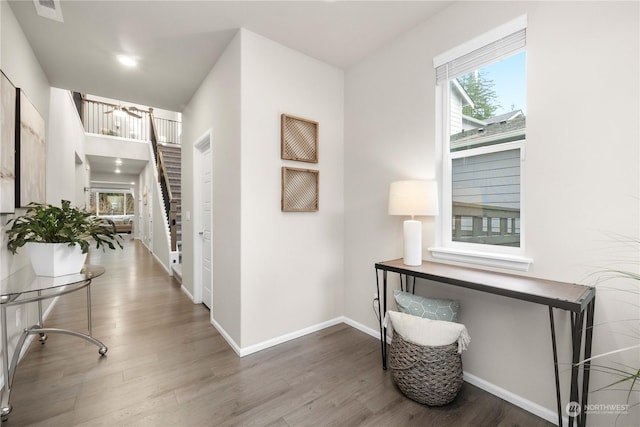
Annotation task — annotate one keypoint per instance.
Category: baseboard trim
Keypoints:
(510, 397)
(519, 401)
(245, 351)
(167, 269)
(235, 347)
(529, 406)
(188, 294)
(363, 328)
(290, 336)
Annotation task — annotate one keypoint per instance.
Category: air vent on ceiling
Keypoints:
(49, 9)
(47, 3)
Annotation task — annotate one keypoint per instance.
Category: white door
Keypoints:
(205, 209)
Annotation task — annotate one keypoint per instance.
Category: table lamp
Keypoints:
(413, 198)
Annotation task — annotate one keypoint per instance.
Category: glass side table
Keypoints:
(24, 287)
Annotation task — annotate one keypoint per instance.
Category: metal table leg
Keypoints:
(576, 335)
(9, 370)
(6, 389)
(380, 320)
(555, 365)
(43, 337)
(384, 312)
(586, 367)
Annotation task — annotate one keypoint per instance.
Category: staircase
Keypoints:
(172, 155)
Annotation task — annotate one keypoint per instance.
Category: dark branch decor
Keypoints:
(300, 190)
(299, 139)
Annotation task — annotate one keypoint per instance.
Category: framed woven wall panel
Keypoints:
(300, 189)
(299, 139)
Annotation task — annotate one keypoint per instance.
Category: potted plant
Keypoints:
(624, 369)
(59, 237)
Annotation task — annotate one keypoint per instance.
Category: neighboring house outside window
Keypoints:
(481, 146)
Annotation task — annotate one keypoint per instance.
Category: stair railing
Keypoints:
(170, 205)
(97, 117)
(167, 130)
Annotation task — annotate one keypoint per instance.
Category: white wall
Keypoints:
(161, 239)
(216, 106)
(581, 177)
(107, 146)
(65, 135)
(262, 257)
(150, 225)
(144, 208)
(292, 263)
(19, 64)
(121, 181)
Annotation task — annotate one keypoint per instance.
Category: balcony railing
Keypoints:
(133, 123)
(104, 118)
(109, 119)
(489, 225)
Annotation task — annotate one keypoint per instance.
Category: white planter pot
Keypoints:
(56, 259)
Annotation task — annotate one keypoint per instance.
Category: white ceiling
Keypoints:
(102, 164)
(178, 42)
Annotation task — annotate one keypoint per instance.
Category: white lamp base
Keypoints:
(412, 242)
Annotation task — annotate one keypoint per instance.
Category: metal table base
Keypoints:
(38, 296)
(578, 300)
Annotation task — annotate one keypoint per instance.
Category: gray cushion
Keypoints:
(430, 308)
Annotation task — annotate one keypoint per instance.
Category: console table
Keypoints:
(578, 300)
(24, 287)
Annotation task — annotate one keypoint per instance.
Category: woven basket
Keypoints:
(431, 375)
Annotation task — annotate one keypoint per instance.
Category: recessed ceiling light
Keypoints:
(117, 170)
(127, 61)
(133, 183)
(118, 162)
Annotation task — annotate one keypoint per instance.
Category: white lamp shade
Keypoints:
(413, 198)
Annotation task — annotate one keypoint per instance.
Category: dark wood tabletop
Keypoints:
(568, 296)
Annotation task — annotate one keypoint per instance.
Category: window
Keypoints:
(112, 203)
(481, 133)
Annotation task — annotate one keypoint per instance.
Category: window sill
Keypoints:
(511, 262)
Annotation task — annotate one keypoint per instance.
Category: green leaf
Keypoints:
(65, 224)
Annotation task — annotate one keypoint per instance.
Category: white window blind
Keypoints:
(477, 58)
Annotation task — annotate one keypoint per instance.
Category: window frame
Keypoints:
(98, 192)
(446, 248)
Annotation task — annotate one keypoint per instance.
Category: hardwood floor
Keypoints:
(167, 366)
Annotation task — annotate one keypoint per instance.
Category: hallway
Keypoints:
(167, 366)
